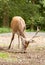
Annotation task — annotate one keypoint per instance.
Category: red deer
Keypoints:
(18, 26)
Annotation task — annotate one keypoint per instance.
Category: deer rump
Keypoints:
(18, 24)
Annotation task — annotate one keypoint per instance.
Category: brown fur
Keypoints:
(18, 26)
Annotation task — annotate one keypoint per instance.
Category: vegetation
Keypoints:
(4, 55)
(33, 12)
(5, 30)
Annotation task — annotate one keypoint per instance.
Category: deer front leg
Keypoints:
(23, 45)
(11, 41)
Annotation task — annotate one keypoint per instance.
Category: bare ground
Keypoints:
(35, 53)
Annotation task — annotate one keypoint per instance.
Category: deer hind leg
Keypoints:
(18, 41)
(11, 40)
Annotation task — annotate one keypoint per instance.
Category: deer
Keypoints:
(18, 27)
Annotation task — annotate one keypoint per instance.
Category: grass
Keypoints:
(28, 30)
(5, 30)
(4, 55)
(7, 56)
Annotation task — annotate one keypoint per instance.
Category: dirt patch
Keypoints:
(35, 53)
(32, 57)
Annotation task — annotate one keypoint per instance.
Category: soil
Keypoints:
(35, 53)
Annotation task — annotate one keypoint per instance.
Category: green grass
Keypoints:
(5, 30)
(4, 55)
(28, 30)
